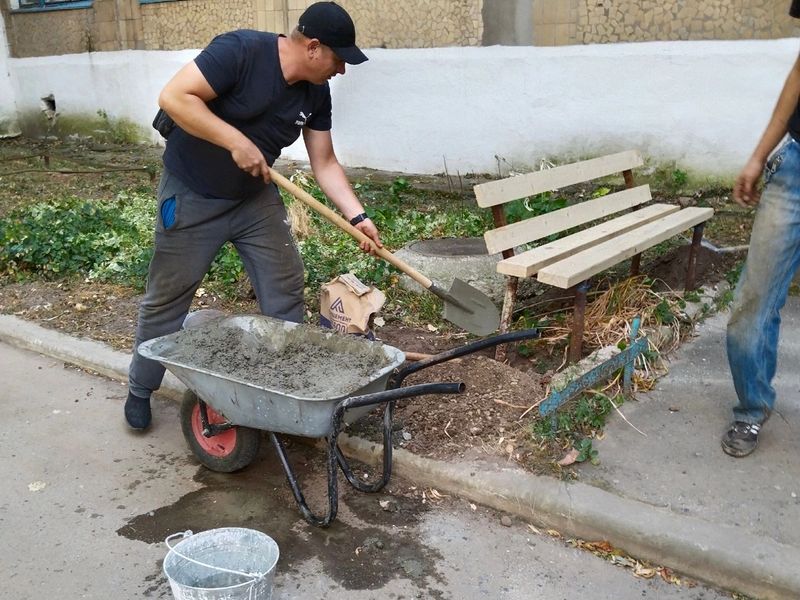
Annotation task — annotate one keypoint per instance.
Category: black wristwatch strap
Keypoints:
(358, 218)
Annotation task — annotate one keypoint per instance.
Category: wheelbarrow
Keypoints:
(223, 416)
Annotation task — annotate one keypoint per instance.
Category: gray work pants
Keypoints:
(259, 230)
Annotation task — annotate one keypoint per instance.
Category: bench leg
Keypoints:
(691, 268)
(509, 299)
(578, 318)
(636, 262)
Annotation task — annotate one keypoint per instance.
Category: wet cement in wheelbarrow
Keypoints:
(309, 362)
(364, 549)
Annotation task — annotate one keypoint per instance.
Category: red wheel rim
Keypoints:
(220, 445)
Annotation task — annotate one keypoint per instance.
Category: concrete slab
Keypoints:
(672, 497)
(85, 505)
(680, 466)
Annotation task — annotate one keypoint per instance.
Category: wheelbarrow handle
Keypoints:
(496, 340)
(399, 394)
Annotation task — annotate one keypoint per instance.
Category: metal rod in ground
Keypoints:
(591, 378)
(627, 373)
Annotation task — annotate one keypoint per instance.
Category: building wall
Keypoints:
(180, 24)
(601, 21)
(416, 23)
(700, 104)
(194, 23)
(55, 32)
(8, 102)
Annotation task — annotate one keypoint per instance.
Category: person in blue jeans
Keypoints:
(231, 111)
(772, 260)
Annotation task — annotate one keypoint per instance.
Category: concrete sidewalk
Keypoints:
(671, 497)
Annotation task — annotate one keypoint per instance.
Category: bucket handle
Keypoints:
(189, 533)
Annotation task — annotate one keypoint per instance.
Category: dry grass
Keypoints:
(610, 314)
(299, 214)
(609, 318)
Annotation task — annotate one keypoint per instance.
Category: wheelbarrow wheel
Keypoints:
(225, 452)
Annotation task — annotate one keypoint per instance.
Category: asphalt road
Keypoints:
(86, 505)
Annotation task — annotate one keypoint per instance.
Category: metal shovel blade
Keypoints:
(470, 309)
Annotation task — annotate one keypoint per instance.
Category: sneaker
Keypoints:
(741, 439)
(137, 412)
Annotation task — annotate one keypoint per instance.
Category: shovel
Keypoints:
(464, 305)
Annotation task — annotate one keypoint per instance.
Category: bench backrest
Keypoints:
(496, 193)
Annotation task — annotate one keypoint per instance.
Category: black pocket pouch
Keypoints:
(163, 123)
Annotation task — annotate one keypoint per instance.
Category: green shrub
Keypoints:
(74, 236)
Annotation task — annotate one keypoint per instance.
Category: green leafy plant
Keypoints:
(725, 299)
(532, 206)
(663, 313)
(586, 451)
(120, 131)
(581, 417)
(398, 186)
(227, 269)
(679, 178)
(732, 276)
(72, 236)
(691, 296)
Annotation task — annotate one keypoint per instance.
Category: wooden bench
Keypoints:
(602, 241)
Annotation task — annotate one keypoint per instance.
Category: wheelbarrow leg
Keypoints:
(388, 413)
(333, 493)
(334, 454)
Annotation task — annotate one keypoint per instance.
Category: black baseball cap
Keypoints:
(331, 25)
(795, 9)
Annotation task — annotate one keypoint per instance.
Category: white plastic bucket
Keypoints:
(230, 563)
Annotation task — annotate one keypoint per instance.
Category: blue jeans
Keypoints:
(772, 260)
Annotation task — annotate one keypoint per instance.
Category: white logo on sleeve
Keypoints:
(302, 118)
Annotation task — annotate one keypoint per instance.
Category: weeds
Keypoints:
(578, 419)
(110, 241)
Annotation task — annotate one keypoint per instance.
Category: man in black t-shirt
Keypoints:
(248, 95)
(772, 260)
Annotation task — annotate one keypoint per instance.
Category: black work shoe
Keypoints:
(741, 439)
(137, 412)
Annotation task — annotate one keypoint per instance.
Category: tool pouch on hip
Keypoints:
(163, 123)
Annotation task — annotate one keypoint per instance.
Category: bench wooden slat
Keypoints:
(581, 266)
(501, 191)
(528, 263)
(535, 228)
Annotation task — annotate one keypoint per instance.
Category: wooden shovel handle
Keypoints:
(342, 224)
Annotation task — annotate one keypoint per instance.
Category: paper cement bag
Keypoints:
(348, 306)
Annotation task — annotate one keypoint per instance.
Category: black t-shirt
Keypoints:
(244, 70)
(794, 121)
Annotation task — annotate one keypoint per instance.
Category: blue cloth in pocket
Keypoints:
(168, 212)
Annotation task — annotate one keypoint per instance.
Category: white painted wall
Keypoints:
(125, 84)
(8, 106)
(702, 104)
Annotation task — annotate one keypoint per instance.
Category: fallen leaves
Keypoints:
(638, 568)
(433, 495)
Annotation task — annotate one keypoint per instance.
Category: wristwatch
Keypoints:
(358, 218)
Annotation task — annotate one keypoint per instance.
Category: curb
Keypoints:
(723, 556)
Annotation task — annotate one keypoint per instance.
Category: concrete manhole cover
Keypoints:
(444, 259)
(450, 247)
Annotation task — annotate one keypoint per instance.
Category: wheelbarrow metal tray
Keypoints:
(249, 404)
